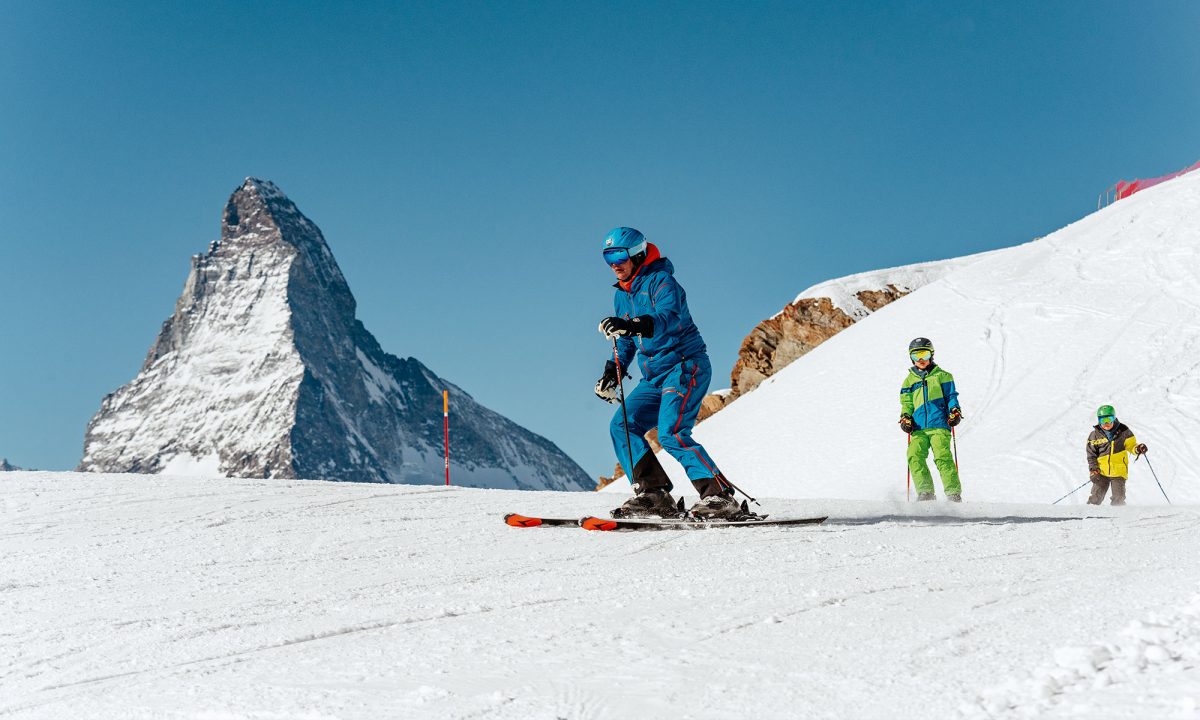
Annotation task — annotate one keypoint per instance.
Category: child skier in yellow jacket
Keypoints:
(1108, 448)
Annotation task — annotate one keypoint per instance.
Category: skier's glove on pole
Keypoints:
(1141, 449)
(906, 424)
(1095, 473)
(612, 327)
(954, 418)
(606, 386)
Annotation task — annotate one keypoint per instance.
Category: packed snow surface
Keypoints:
(127, 596)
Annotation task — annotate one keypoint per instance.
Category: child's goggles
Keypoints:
(1107, 419)
(921, 355)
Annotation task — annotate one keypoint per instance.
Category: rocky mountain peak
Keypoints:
(264, 371)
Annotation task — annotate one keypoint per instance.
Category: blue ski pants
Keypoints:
(671, 403)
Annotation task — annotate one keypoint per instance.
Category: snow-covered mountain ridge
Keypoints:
(824, 310)
(1037, 336)
(264, 371)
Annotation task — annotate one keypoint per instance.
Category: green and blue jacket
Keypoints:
(928, 396)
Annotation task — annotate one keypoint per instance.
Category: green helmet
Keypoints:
(1106, 411)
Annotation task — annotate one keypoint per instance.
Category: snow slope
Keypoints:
(128, 596)
(843, 291)
(1106, 310)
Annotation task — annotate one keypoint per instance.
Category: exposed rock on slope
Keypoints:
(823, 311)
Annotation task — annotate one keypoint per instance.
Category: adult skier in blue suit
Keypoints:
(651, 319)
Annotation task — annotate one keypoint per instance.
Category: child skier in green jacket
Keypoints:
(928, 409)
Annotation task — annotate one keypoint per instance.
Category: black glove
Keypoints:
(612, 327)
(955, 417)
(907, 424)
(1095, 473)
(1141, 449)
(606, 386)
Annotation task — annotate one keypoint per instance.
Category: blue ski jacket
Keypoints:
(655, 292)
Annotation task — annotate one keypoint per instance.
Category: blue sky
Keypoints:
(464, 161)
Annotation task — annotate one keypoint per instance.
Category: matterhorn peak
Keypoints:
(264, 371)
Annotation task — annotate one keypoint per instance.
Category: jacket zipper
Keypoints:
(925, 401)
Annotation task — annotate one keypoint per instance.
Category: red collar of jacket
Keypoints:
(652, 254)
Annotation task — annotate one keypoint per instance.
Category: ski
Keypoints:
(523, 521)
(606, 524)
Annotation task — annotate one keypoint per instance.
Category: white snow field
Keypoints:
(136, 596)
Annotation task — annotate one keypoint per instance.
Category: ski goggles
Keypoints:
(620, 255)
(921, 355)
(616, 256)
(1107, 419)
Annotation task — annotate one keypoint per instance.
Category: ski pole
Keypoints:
(954, 446)
(1160, 487)
(624, 414)
(907, 474)
(728, 482)
(1064, 497)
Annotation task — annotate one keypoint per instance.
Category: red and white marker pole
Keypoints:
(446, 424)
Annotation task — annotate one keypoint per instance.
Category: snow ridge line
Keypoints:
(1161, 644)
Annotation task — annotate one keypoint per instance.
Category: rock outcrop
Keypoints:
(264, 371)
(824, 310)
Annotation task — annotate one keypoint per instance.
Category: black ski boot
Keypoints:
(654, 503)
(718, 507)
(653, 492)
(954, 497)
(922, 497)
(717, 503)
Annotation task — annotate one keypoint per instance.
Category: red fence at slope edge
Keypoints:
(1124, 189)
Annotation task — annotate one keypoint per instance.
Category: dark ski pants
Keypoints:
(1100, 485)
(671, 404)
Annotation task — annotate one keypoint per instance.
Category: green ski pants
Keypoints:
(943, 457)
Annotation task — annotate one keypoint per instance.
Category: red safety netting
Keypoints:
(1125, 189)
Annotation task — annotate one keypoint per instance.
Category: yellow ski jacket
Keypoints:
(1110, 455)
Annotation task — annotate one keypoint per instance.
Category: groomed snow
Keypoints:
(177, 597)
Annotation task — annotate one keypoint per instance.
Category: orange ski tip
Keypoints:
(521, 521)
(595, 523)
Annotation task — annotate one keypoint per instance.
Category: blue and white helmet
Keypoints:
(624, 243)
